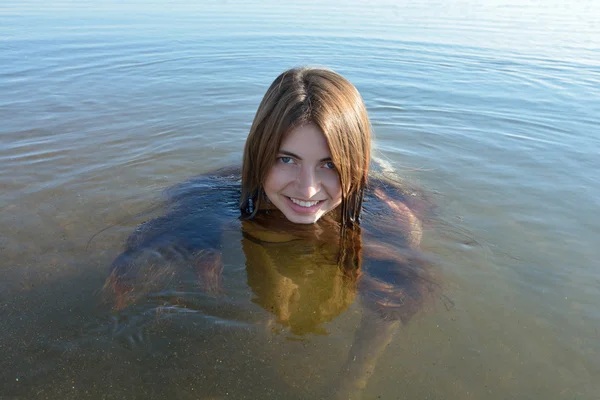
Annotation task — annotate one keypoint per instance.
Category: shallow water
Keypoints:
(490, 106)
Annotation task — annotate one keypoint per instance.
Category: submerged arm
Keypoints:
(180, 248)
(391, 292)
(373, 335)
(163, 266)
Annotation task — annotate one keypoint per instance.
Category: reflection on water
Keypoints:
(297, 281)
(490, 105)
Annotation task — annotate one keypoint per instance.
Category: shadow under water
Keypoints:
(268, 275)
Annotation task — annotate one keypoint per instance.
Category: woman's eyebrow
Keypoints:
(289, 153)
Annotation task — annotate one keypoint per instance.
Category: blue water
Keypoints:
(493, 107)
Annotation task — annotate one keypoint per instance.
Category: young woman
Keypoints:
(317, 228)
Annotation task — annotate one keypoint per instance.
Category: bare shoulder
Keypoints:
(393, 205)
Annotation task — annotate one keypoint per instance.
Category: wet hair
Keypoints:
(298, 97)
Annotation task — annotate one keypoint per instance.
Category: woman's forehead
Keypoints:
(306, 141)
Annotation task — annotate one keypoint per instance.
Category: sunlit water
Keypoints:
(490, 106)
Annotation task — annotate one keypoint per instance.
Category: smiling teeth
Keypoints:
(303, 203)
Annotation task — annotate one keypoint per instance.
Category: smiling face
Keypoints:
(341, 130)
(303, 183)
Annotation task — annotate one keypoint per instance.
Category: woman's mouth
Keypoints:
(304, 207)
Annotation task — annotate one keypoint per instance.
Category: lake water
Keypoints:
(491, 106)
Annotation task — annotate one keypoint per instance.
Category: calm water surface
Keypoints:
(490, 106)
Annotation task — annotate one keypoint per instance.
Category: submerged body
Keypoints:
(303, 275)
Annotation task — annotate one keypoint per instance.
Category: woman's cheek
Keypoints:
(282, 173)
(331, 181)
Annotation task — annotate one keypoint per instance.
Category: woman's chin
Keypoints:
(302, 218)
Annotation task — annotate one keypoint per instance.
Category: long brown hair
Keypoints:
(328, 100)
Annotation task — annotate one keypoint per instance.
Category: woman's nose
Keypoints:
(308, 183)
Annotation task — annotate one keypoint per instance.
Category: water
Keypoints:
(491, 106)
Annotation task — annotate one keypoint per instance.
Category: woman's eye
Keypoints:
(329, 165)
(286, 160)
